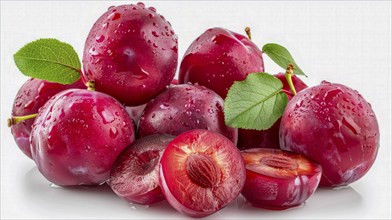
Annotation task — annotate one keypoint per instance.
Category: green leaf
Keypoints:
(282, 57)
(255, 103)
(49, 59)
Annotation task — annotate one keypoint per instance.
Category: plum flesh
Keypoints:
(135, 175)
(335, 126)
(278, 180)
(201, 172)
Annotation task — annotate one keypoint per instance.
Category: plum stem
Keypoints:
(17, 119)
(289, 74)
(247, 31)
(91, 85)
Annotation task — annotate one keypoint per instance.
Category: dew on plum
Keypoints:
(78, 135)
(31, 96)
(334, 125)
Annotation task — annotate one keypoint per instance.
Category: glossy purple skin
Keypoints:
(31, 96)
(335, 126)
(135, 175)
(131, 52)
(78, 135)
(268, 138)
(182, 108)
(219, 57)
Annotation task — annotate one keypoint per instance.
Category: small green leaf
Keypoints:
(255, 103)
(49, 59)
(282, 57)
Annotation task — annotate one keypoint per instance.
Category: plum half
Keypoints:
(135, 175)
(201, 172)
(335, 126)
(278, 180)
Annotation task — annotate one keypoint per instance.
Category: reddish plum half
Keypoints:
(201, 172)
(182, 108)
(268, 138)
(78, 135)
(135, 175)
(278, 180)
(31, 96)
(219, 57)
(335, 126)
(131, 53)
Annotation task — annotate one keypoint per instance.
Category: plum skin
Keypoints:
(217, 58)
(78, 135)
(268, 138)
(32, 95)
(131, 53)
(185, 107)
(335, 126)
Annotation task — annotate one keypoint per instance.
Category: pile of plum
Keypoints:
(128, 123)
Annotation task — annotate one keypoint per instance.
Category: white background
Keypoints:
(345, 42)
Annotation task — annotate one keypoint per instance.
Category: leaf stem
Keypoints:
(289, 74)
(17, 119)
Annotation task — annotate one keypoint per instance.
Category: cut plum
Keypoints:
(277, 179)
(201, 172)
(135, 175)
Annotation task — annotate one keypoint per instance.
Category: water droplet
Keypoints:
(100, 39)
(114, 16)
(150, 15)
(164, 106)
(153, 115)
(211, 111)
(141, 4)
(155, 34)
(324, 82)
(29, 105)
(88, 148)
(110, 7)
(92, 51)
(105, 25)
(113, 132)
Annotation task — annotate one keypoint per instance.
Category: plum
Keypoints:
(135, 175)
(335, 126)
(131, 53)
(33, 94)
(268, 138)
(278, 180)
(185, 107)
(219, 57)
(78, 135)
(201, 172)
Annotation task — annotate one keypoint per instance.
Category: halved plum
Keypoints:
(201, 172)
(277, 179)
(134, 176)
